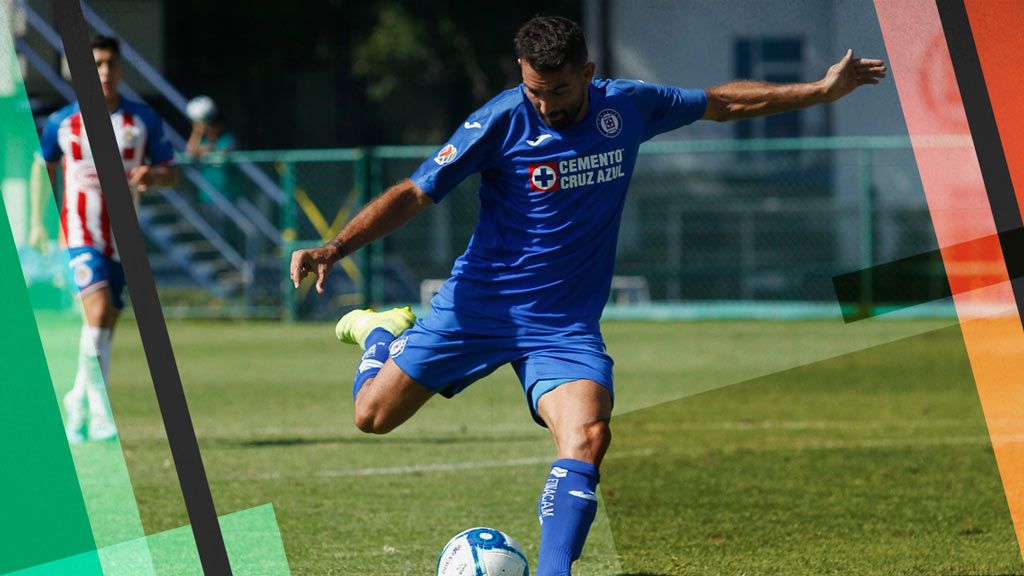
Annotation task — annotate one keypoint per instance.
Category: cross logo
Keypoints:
(543, 177)
(609, 122)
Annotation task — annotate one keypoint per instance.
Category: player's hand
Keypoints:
(849, 73)
(317, 261)
(37, 237)
(140, 178)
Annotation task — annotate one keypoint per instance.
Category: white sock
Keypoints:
(93, 354)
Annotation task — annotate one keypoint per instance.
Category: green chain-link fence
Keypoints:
(706, 222)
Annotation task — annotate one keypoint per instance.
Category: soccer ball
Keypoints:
(482, 552)
(201, 109)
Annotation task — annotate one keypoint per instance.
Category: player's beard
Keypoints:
(562, 119)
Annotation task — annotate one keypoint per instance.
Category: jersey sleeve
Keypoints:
(158, 147)
(49, 144)
(666, 107)
(474, 147)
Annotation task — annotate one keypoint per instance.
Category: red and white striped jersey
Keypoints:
(83, 214)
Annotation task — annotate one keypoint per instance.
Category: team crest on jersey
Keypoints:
(446, 155)
(609, 122)
(544, 177)
(397, 347)
(83, 275)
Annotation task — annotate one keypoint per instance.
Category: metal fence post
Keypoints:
(867, 234)
(289, 299)
(363, 184)
(375, 251)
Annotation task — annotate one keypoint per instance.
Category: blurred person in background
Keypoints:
(209, 144)
(85, 227)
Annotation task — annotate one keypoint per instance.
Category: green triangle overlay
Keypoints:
(72, 510)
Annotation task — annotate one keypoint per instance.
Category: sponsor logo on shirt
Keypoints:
(609, 122)
(446, 155)
(543, 177)
(471, 125)
(590, 169)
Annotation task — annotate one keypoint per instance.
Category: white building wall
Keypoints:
(689, 43)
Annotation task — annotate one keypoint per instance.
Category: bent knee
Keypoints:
(372, 421)
(599, 437)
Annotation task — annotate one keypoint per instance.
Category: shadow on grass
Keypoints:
(367, 439)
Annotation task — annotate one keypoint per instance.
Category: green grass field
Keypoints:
(740, 448)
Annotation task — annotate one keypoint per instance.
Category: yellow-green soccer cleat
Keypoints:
(355, 327)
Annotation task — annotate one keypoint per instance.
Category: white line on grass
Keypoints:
(447, 467)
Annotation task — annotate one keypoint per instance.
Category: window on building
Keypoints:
(776, 60)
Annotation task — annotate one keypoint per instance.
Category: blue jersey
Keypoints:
(543, 252)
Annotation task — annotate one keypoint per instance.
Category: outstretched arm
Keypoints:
(749, 98)
(380, 217)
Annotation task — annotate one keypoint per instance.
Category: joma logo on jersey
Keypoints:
(543, 177)
(446, 155)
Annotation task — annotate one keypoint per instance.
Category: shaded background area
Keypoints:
(339, 73)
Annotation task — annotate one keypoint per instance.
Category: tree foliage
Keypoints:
(343, 73)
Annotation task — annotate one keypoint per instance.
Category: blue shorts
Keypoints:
(91, 270)
(446, 358)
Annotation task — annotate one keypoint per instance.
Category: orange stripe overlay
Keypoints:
(960, 205)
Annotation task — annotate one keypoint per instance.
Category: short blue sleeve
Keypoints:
(665, 107)
(158, 147)
(49, 145)
(474, 147)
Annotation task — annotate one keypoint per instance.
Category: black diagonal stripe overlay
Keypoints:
(166, 380)
(918, 279)
(984, 132)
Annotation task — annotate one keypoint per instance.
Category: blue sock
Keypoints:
(376, 355)
(567, 507)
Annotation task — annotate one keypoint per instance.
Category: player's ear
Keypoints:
(588, 72)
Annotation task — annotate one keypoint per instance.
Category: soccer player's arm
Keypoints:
(383, 215)
(161, 170)
(750, 98)
(471, 149)
(40, 188)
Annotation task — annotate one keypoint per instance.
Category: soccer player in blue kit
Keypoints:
(555, 155)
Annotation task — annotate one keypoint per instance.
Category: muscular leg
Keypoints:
(98, 308)
(388, 399)
(577, 413)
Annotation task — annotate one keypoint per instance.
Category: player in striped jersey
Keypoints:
(85, 227)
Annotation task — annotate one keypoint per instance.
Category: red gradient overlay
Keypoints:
(959, 206)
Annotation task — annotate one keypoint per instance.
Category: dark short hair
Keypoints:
(550, 42)
(102, 42)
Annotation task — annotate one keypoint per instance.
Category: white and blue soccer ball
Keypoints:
(482, 552)
(201, 109)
